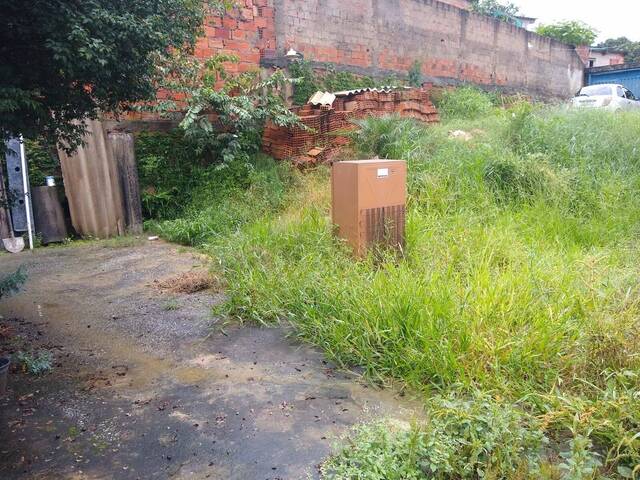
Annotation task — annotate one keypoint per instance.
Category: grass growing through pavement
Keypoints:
(518, 289)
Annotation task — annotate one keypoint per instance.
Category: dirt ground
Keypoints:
(149, 384)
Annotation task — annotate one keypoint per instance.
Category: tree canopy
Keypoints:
(63, 61)
(571, 33)
(507, 12)
(630, 48)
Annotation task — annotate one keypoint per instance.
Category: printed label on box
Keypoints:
(383, 172)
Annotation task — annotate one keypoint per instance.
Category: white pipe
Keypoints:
(25, 187)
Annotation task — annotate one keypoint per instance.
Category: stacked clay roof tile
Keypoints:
(328, 114)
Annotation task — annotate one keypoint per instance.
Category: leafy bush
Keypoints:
(241, 106)
(569, 32)
(227, 198)
(464, 102)
(36, 363)
(461, 439)
(12, 283)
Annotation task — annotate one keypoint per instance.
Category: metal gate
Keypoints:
(627, 75)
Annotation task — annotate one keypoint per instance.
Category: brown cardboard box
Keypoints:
(368, 202)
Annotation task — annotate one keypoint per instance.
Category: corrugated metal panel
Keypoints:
(387, 89)
(327, 98)
(92, 186)
(322, 98)
(629, 77)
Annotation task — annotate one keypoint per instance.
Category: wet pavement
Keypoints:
(149, 384)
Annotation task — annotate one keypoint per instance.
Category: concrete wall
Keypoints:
(378, 37)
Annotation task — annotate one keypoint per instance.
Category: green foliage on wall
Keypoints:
(325, 79)
(43, 162)
(415, 74)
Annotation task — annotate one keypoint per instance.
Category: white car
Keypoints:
(609, 96)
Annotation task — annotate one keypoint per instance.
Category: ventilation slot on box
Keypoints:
(384, 226)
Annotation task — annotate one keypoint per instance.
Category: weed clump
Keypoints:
(37, 362)
(464, 102)
(461, 439)
(12, 283)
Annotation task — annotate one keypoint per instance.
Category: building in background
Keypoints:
(464, 4)
(600, 56)
(526, 22)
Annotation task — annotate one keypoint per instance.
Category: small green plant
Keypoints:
(415, 74)
(12, 283)
(37, 362)
(170, 306)
(580, 462)
(462, 439)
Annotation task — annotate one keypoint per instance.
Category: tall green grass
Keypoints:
(520, 276)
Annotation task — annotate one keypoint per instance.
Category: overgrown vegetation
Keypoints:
(12, 283)
(43, 162)
(240, 107)
(514, 308)
(462, 439)
(327, 79)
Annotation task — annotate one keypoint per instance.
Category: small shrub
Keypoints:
(580, 462)
(415, 74)
(12, 283)
(461, 439)
(36, 363)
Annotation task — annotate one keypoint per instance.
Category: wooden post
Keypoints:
(122, 146)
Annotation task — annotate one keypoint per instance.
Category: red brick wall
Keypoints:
(247, 31)
(379, 37)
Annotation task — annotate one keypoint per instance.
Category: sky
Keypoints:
(612, 18)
